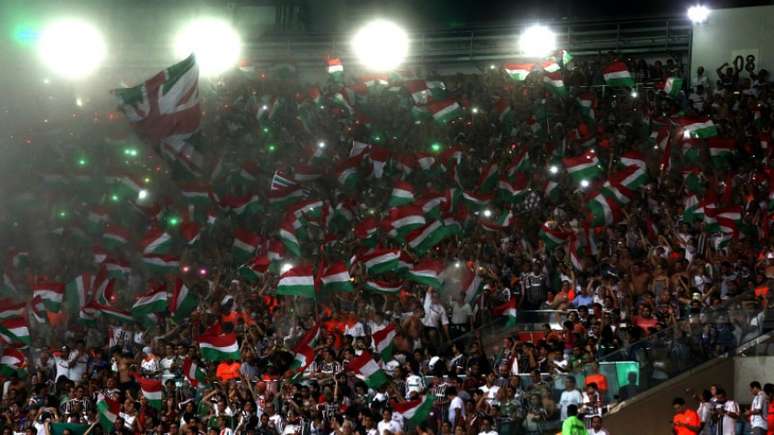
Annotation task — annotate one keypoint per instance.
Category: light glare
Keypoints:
(71, 48)
(553, 169)
(537, 41)
(584, 183)
(285, 267)
(698, 14)
(142, 194)
(214, 42)
(381, 45)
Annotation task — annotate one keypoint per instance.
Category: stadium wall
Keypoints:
(729, 33)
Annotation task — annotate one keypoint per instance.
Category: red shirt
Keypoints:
(690, 417)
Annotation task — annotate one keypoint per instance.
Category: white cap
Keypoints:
(147, 350)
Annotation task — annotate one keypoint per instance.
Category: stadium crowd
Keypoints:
(300, 285)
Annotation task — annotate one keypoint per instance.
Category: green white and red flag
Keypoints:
(12, 362)
(196, 193)
(193, 372)
(10, 309)
(404, 220)
(604, 210)
(384, 287)
(671, 86)
(15, 331)
(110, 312)
(511, 192)
(156, 241)
(245, 244)
(335, 68)
(415, 411)
(365, 368)
(336, 278)
(551, 236)
(115, 236)
(303, 351)
(633, 158)
(583, 167)
(508, 310)
(384, 341)
(554, 83)
(471, 285)
(221, 347)
(107, 410)
(380, 260)
(423, 239)
(445, 110)
(154, 301)
(298, 281)
(151, 390)
(701, 128)
(402, 194)
(518, 71)
(161, 264)
(287, 234)
(427, 272)
(51, 293)
(617, 75)
(183, 302)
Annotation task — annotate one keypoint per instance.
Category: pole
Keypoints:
(690, 57)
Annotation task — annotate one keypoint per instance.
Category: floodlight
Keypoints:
(553, 169)
(584, 183)
(71, 48)
(215, 43)
(537, 41)
(381, 45)
(698, 14)
(285, 267)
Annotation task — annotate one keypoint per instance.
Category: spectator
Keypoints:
(597, 428)
(572, 425)
(686, 421)
(758, 412)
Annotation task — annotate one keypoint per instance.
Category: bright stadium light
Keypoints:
(142, 194)
(381, 45)
(584, 183)
(553, 169)
(215, 43)
(321, 144)
(71, 48)
(698, 14)
(285, 267)
(537, 41)
(487, 213)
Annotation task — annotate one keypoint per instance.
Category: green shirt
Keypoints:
(573, 426)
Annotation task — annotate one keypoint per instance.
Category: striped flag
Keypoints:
(183, 302)
(12, 362)
(402, 194)
(336, 278)
(445, 110)
(383, 287)
(671, 86)
(507, 310)
(245, 244)
(193, 372)
(10, 309)
(110, 312)
(303, 351)
(604, 210)
(518, 71)
(107, 410)
(365, 368)
(221, 347)
(554, 83)
(196, 193)
(415, 411)
(617, 75)
(152, 302)
(552, 237)
(335, 68)
(721, 151)
(406, 219)
(380, 261)
(51, 293)
(423, 239)
(701, 128)
(161, 264)
(15, 331)
(583, 167)
(287, 235)
(427, 272)
(115, 236)
(471, 285)
(384, 341)
(298, 281)
(156, 241)
(151, 390)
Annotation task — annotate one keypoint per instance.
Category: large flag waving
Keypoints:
(165, 111)
(365, 368)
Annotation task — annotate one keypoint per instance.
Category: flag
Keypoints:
(51, 293)
(729, 219)
(165, 111)
(12, 362)
(697, 127)
(587, 103)
(475, 200)
(366, 369)
(346, 172)
(107, 410)
(10, 309)
(554, 82)
(489, 176)
(633, 158)
(115, 236)
(550, 190)
(445, 110)
(152, 302)
(196, 193)
(402, 194)
(604, 210)
(572, 249)
(406, 219)
(721, 151)
(303, 351)
(552, 237)
(336, 278)
(379, 157)
(583, 167)
(505, 220)
(380, 261)
(503, 109)
(518, 71)
(513, 192)
(427, 272)
(507, 310)
(116, 267)
(693, 210)
(471, 286)
(183, 301)
(156, 241)
(110, 312)
(415, 411)
(245, 244)
(422, 91)
(219, 347)
(423, 239)
(193, 372)
(151, 390)
(617, 75)
(631, 177)
(384, 341)
(15, 331)
(161, 264)
(288, 237)
(298, 281)
(672, 86)
(384, 287)
(335, 68)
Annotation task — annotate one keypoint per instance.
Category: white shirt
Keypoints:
(456, 404)
(490, 393)
(150, 365)
(569, 398)
(729, 424)
(435, 314)
(166, 367)
(460, 313)
(414, 383)
(601, 431)
(760, 403)
(491, 432)
(356, 330)
(391, 426)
